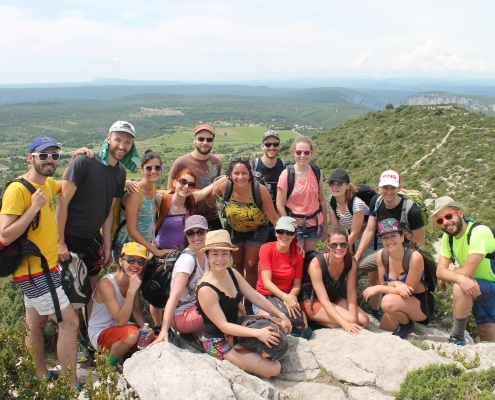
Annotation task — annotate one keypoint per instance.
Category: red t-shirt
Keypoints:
(285, 268)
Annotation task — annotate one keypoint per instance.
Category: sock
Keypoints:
(112, 360)
(458, 327)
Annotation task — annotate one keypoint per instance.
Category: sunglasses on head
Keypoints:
(150, 168)
(342, 245)
(202, 139)
(284, 232)
(140, 261)
(270, 144)
(241, 159)
(185, 182)
(447, 217)
(199, 232)
(44, 156)
(305, 152)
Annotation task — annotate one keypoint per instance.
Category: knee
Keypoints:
(272, 369)
(132, 339)
(388, 304)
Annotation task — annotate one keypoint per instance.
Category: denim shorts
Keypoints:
(252, 238)
(313, 234)
(484, 305)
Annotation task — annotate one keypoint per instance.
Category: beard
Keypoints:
(43, 171)
(112, 151)
(458, 226)
(203, 151)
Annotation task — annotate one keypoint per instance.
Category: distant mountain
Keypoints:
(474, 103)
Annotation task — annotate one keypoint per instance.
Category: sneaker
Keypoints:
(404, 330)
(378, 314)
(296, 332)
(82, 352)
(458, 342)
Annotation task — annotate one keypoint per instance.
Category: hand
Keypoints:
(84, 150)
(38, 199)
(405, 291)
(442, 285)
(63, 252)
(469, 286)
(352, 327)
(134, 284)
(162, 252)
(286, 324)
(292, 305)
(371, 291)
(268, 336)
(132, 187)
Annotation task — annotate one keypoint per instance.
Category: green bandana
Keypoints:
(130, 161)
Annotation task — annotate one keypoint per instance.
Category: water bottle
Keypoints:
(143, 336)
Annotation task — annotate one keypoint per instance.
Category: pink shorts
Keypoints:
(189, 321)
(113, 334)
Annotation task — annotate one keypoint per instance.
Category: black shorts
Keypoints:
(427, 302)
(89, 250)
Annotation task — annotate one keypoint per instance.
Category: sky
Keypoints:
(233, 41)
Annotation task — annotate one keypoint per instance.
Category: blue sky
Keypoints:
(209, 41)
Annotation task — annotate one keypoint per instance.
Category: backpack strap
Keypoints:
(405, 261)
(470, 231)
(163, 210)
(291, 178)
(255, 187)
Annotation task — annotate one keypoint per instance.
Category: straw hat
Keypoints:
(446, 201)
(218, 240)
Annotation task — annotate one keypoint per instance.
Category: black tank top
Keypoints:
(227, 304)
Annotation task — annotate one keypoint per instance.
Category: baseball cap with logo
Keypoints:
(134, 249)
(41, 143)
(268, 134)
(389, 177)
(123, 126)
(204, 127)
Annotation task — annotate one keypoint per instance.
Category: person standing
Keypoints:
(467, 243)
(205, 166)
(19, 209)
(270, 166)
(90, 188)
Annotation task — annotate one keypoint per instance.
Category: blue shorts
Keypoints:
(252, 238)
(313, 234)
(484, 305)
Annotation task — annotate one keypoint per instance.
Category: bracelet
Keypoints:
(385, 283)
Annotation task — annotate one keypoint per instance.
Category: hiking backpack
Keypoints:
(291, 180)
(165, 207)
(430, 266)
(75, 280)
(157, 276)
(490, 256)
(364, 192)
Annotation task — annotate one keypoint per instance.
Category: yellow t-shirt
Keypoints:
(16, 201)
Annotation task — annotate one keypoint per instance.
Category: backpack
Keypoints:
(75, 280)
(291, 180)
(119, 219)
(430, 267)
(165, 207)
(157, 276)
(417, 198)
(11, 256)
(490, 256)
(256, 182)
(364, 192)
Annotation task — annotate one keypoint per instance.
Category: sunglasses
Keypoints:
(202, 139)
(241, 159)
(149, 168)
(335, 183)
(343, 245)
(185, 182)
(270, 144)
(305, 152)
(44, 156)
(284, 232)
(199, 232)
(140, 261)
(447, 217)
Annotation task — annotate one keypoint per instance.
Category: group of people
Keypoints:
(269, 237)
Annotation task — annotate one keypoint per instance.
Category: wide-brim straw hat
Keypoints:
(446, 201)
(218, 240)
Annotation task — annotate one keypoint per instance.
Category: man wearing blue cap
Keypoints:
(35, 213)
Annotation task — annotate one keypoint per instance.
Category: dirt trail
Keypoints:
(444, 140)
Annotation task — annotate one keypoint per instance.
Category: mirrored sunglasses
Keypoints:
(140, 261)
(305, 152)
(342, 245)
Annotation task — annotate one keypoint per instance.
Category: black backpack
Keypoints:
(491, 255)
(157, 276)
(430, 267)
(364, 192)
(12, 255)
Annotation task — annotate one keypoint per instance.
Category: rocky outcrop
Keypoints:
(333, 364)
(474, 103)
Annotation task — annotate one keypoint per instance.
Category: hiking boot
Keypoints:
(404, 330)
(82, 352)
(458, 342)
(378, 314)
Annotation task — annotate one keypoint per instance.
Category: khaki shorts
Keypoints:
(44, 304)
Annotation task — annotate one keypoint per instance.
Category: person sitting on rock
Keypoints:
(280, 275)
(406, 297)
(330, 296)
(218, 295)
(115, 299)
